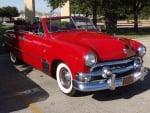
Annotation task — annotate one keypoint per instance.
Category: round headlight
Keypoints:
(90, 59)
(141, 51)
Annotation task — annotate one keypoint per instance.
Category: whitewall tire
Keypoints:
(64, 79)
(13, 58)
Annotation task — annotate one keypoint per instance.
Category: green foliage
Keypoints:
(2, 38)
(145, 13)
(9, 12)
(2, 12)
(135, 7)
(56, 3)
(81, 7)
(88, 7)
(112, 10)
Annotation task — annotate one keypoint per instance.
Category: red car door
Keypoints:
(34, 48)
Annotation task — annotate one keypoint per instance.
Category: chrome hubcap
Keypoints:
(12, 57)
(65, 78)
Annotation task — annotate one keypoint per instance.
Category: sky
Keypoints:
(40, 5)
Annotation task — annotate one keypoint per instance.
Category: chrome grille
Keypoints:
(118, 67)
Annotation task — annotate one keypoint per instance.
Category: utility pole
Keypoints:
(29, 10)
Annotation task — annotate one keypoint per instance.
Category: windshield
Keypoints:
(69, 23)
(83, 23)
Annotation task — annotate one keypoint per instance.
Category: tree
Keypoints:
(11, 12)
(86, 7)
(145, 13)
(80, 6)
(135, 7)
(56, 3)
(2, 13)
(112, 10)
(8, 12)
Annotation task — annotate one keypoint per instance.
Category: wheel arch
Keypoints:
(54, 65)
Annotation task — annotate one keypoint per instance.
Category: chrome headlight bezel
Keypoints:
(90, 59)
(141, 51)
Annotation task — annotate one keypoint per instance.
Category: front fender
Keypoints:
(71, 54)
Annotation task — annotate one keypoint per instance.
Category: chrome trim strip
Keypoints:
(99, 73)
(113, 63)
(122, 70)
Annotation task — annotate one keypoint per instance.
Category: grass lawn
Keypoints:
(3, 28)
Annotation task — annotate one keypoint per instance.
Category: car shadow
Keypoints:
(17, 91)
(126, 92)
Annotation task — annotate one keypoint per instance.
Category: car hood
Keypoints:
(105, 46)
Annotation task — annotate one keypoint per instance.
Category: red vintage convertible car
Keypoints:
(81, 58)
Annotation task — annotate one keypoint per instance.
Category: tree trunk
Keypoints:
(95, 12)
(111, 23)
(136, 15)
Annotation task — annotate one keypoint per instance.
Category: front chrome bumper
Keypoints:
(110, 83)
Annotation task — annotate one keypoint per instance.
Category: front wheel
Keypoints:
(64, 79)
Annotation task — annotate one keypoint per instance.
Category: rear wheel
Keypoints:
(13, 58)
(64, 79)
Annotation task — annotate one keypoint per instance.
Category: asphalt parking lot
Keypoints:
(24, 89)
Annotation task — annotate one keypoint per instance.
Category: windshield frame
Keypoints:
(58, 24)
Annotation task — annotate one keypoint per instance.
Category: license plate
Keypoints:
(128, 80)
